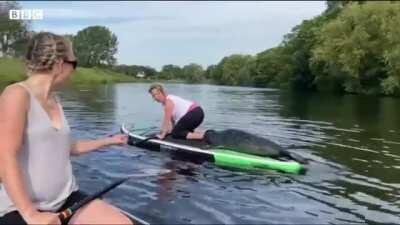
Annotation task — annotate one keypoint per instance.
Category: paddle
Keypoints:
(154, 136)
(71, 210)
(136, 129)
(145, 140)
(67, 213)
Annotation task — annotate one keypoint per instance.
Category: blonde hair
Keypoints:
(158, 87)
(44, 49)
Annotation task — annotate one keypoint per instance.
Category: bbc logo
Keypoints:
(26, 14)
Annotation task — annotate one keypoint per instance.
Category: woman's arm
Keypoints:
(14, 103)
(85, 146)
(166, 125)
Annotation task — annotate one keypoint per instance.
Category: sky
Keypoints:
(157, 33)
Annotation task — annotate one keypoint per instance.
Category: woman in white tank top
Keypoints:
(35, 142)
(181, 116)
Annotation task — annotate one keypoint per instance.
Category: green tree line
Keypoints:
(352, 47)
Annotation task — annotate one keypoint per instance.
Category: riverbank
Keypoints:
(13, 70)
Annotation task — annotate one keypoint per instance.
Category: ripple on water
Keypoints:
(352, 172)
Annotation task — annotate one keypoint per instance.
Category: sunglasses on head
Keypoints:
(74, 63)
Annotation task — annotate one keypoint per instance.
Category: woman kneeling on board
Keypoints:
(181, 116)
(36, 174)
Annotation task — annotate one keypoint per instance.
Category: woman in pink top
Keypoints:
(181, 116)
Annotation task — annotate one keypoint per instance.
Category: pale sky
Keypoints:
(180, 32)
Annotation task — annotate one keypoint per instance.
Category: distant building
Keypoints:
(141, 75)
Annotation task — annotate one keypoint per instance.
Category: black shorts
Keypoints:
(15, 218)
(188, 123)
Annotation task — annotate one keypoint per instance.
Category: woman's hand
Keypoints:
(42, 218)
(119, 139)
(160, 136)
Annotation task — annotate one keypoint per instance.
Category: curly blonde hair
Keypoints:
(44, 49)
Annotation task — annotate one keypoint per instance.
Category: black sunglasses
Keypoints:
(73, 63)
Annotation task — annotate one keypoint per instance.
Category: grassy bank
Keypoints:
(13, 70)
(98, 76)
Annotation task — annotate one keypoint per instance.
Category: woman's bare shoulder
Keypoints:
(14, 95)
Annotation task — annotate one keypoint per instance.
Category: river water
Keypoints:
(352, 144)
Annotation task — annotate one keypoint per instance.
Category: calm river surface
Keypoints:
(352, 142)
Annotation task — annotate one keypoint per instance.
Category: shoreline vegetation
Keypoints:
(352, 47)
(12, 70)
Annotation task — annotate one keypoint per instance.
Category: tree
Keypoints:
(170, 71)
(149, 71)
(208, 74)
(298, 46)
(363, 43)
(273, 68)
(95, 46)
(229, 70)
(193, 72)
(14, 34)
(133, 70)
(335, 5)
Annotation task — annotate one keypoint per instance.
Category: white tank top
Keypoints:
(181, 107)
(45, 162)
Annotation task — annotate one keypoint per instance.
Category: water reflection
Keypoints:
(351, 142)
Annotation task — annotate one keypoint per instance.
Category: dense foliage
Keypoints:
(352, 47)
(95, 46)
(13, 33)
(361, 48)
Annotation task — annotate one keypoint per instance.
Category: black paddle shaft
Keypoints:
(70, 211)
(145, 140)
(148, 139)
